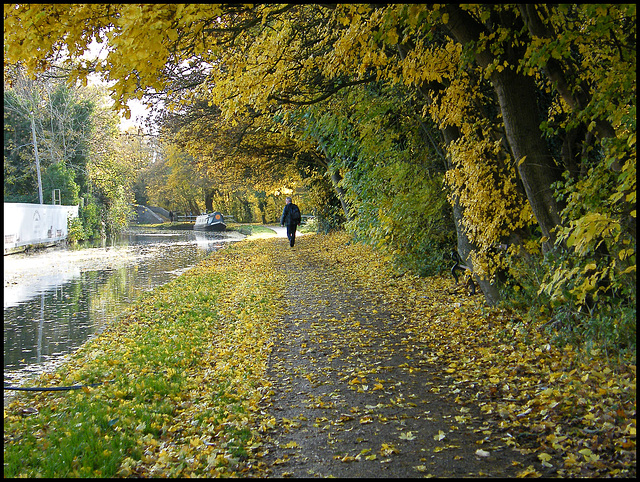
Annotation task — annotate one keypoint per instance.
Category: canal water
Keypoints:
(58, 298)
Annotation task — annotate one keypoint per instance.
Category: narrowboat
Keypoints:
(210, 222)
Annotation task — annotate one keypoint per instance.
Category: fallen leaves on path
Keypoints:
(573, 412)
(188, 393)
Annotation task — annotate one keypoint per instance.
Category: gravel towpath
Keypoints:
(354, 396)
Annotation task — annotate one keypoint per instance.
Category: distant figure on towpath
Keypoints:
(291, 217)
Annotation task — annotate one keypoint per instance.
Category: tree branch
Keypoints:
(324, 96)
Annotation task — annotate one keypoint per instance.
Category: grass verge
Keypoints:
(251, 229)
(183, 373)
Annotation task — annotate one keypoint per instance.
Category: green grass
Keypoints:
(181, 367)
(250, 229)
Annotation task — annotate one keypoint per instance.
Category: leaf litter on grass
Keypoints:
(370, 368)
(185, 374)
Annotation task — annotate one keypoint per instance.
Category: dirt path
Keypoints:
(354, 396)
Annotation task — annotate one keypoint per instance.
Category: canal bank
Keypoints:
(188, 357)
(57, 298)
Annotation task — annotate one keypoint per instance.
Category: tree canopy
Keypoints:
(521, 116)
(82, 153)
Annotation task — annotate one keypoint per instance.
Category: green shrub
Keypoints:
(75, 230)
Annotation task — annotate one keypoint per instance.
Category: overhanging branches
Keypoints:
(324, 96)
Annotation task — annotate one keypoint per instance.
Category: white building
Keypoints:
(35, 224)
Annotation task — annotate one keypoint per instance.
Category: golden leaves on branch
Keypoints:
(142, 39)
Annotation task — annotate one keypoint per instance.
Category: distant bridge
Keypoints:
(155, 215)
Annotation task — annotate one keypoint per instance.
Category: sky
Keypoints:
(138, 114)
(138, 111)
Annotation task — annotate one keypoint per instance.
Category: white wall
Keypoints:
(26, 224)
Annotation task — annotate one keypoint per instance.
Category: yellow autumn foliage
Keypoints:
(577, 61)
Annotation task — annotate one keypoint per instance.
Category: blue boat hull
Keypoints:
(210, 222)
(212, 227)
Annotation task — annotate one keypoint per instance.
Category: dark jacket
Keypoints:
(286, 215)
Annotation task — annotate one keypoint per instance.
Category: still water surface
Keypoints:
(56, 299)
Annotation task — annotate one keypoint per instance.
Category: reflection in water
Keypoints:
(50, 314)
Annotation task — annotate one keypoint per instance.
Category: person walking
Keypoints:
(291, 218)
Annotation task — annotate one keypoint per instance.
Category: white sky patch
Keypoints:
(139, 112)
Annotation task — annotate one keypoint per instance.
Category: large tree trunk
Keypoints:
(335, 180)
(208, 200)
(576, 99)
(536, 167)
(464, 246)
(517, 99)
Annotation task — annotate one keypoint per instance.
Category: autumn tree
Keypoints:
(59, 118)
(20, 179)
(505, 56)
(390, 176)
(81, 150)
(530, 108)
(173, 183)
(235, 160)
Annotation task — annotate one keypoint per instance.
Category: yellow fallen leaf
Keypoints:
(589, 456)
(544, 458)
(529, 472)
(388, 449)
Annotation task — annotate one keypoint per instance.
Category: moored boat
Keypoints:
(210, 222)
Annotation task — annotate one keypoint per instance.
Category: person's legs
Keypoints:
(291, 234)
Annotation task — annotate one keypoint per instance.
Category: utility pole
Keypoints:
(35, 149)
